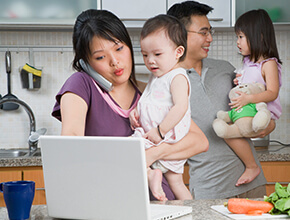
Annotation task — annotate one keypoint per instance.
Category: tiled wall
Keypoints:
(56, 65)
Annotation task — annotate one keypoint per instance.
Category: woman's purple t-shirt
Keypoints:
(101, 119)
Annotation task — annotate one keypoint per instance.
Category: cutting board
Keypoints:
(223, 210)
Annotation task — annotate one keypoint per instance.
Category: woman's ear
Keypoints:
(179, 51)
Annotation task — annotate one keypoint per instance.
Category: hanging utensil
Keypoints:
(9, 106)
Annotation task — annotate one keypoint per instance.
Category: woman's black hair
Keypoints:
(103, 24)
(259, 31)
(173, 28)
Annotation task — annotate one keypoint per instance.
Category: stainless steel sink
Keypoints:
(37, 153)
(15, 153)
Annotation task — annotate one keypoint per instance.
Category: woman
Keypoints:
(101, 40)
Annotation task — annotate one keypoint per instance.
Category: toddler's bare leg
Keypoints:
(242, 148)
(155, 183)
(177, 185)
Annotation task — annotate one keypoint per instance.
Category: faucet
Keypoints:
(32, 141)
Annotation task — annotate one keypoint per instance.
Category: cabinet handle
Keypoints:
(145, 19)
(273, 183)
(40, 189)
(215, 19)
(133, 19)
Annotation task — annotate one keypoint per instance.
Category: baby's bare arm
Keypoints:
(179, 91)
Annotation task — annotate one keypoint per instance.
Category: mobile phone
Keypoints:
(104, 83)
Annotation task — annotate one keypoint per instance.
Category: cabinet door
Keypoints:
(6, 176)
(135, 12)
(278, 10)
(220, 15)
(276, 172)
(37, 177)
(35, 12)
(185, 175)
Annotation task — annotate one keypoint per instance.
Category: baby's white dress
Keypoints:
(153, 106)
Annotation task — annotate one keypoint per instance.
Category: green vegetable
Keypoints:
(280, 199)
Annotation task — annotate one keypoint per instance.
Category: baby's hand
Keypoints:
(134, 119)
(153, 136)
(240, 101)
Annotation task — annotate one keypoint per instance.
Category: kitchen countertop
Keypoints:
(272, 153)
(20, 162)
(200, 210)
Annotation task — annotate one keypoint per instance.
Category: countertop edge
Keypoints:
(20, 162)
(272, 155)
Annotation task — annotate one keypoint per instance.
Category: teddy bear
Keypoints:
(247, 121)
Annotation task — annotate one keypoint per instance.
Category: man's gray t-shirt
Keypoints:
(213, 174)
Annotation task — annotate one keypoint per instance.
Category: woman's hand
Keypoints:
(134, 119)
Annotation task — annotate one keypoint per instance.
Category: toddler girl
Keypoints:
(261, 63)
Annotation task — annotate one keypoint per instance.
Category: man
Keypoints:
(213, 174)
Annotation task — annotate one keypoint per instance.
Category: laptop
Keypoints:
(99, 178)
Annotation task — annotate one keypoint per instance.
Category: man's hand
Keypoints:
(267, 130)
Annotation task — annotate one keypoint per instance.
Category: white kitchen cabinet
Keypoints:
(221, 15)
(134, 13)
(42, 14)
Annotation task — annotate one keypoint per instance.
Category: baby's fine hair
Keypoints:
(174, 29)
(259, 31)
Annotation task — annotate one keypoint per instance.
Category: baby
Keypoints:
(163, 111)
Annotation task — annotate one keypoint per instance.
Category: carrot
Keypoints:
(244, 206)
(255, 212)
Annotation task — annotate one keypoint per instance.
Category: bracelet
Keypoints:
(158, 129)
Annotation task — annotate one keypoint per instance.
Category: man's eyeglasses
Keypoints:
(204, 33)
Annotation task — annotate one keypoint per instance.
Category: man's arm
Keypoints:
(193, 143)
